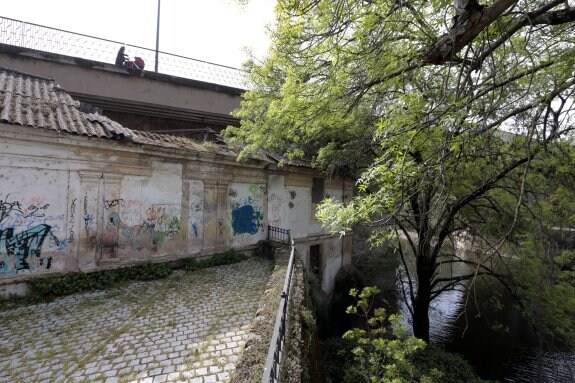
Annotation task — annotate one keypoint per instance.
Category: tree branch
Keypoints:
(532, 18)
(479, 191)
(463, 32)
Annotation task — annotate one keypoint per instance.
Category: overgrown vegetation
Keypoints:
(229, 257)
(49, 287)
(452, 115)
(380, 351)
(249, 368)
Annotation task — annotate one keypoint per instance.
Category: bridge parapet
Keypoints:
(58, 41)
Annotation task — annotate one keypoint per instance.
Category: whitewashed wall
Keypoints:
(68, 204)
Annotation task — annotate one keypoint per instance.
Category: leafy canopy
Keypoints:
(440, 109)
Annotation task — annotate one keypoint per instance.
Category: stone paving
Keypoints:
(190, 327)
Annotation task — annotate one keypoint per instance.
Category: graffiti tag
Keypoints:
(114, 202)
(22, 250)
(71, 221)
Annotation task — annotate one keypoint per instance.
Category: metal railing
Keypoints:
(272, 368)
(279, 234)
(58, 41)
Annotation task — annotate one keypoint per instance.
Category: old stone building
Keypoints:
(81, 192)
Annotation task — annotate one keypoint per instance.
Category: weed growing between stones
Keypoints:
(191, 264)
(46, 289)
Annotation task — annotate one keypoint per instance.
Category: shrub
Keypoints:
(48, 288)
(229, 257)
(382, 352)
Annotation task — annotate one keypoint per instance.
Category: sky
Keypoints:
(218, 31)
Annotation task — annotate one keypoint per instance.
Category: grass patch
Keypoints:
(229, 257)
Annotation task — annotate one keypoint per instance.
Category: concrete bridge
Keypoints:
(187, 97)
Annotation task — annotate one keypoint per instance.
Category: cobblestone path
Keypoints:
(190, 327)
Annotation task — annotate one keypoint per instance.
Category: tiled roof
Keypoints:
(177, 142)
(40, 103)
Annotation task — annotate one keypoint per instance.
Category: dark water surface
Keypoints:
(511, 352)
(501, 344)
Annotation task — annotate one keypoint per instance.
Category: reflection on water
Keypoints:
(443, 313)
(510, 353)
(531, 365)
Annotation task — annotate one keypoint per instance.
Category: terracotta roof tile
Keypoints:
(40, 103)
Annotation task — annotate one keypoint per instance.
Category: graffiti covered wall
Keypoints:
(246, 204)
(89, 205)
(32, 221)
(196, 213)
(148, 216)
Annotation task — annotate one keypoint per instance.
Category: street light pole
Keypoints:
(158, 36)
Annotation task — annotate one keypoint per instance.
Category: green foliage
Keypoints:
(382, 353)
(543, 266)
(546, 287)
(433, 364)
(333, 320)
(191, 264)
(338, 357)
(48, 288)
(443, 151)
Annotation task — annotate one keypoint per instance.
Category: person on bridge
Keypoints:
(121, 57)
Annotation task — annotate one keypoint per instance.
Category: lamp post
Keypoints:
(157, 37)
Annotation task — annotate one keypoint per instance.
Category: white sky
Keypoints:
(218, 31)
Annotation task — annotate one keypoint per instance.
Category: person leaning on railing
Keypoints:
(122, 59)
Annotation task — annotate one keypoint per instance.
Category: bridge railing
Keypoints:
(271, 372)
(279, 234)
(58, 41)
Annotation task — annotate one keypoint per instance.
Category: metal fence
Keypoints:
(47, 39)
(272, 368)
(279, 234)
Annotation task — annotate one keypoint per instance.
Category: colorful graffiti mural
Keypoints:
(24, 232)
(160, 223)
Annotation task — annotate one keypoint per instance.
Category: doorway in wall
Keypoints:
(315, 260)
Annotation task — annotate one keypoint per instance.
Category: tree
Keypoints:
(439, 108)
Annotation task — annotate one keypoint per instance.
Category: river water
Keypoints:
(464, 323)
(509, 352)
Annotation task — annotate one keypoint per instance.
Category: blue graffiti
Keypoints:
(89, 220)
(18, 220)
(246, 220)
(16, 249)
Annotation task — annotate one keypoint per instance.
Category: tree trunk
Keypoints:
(423, 297)
(421, 318)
